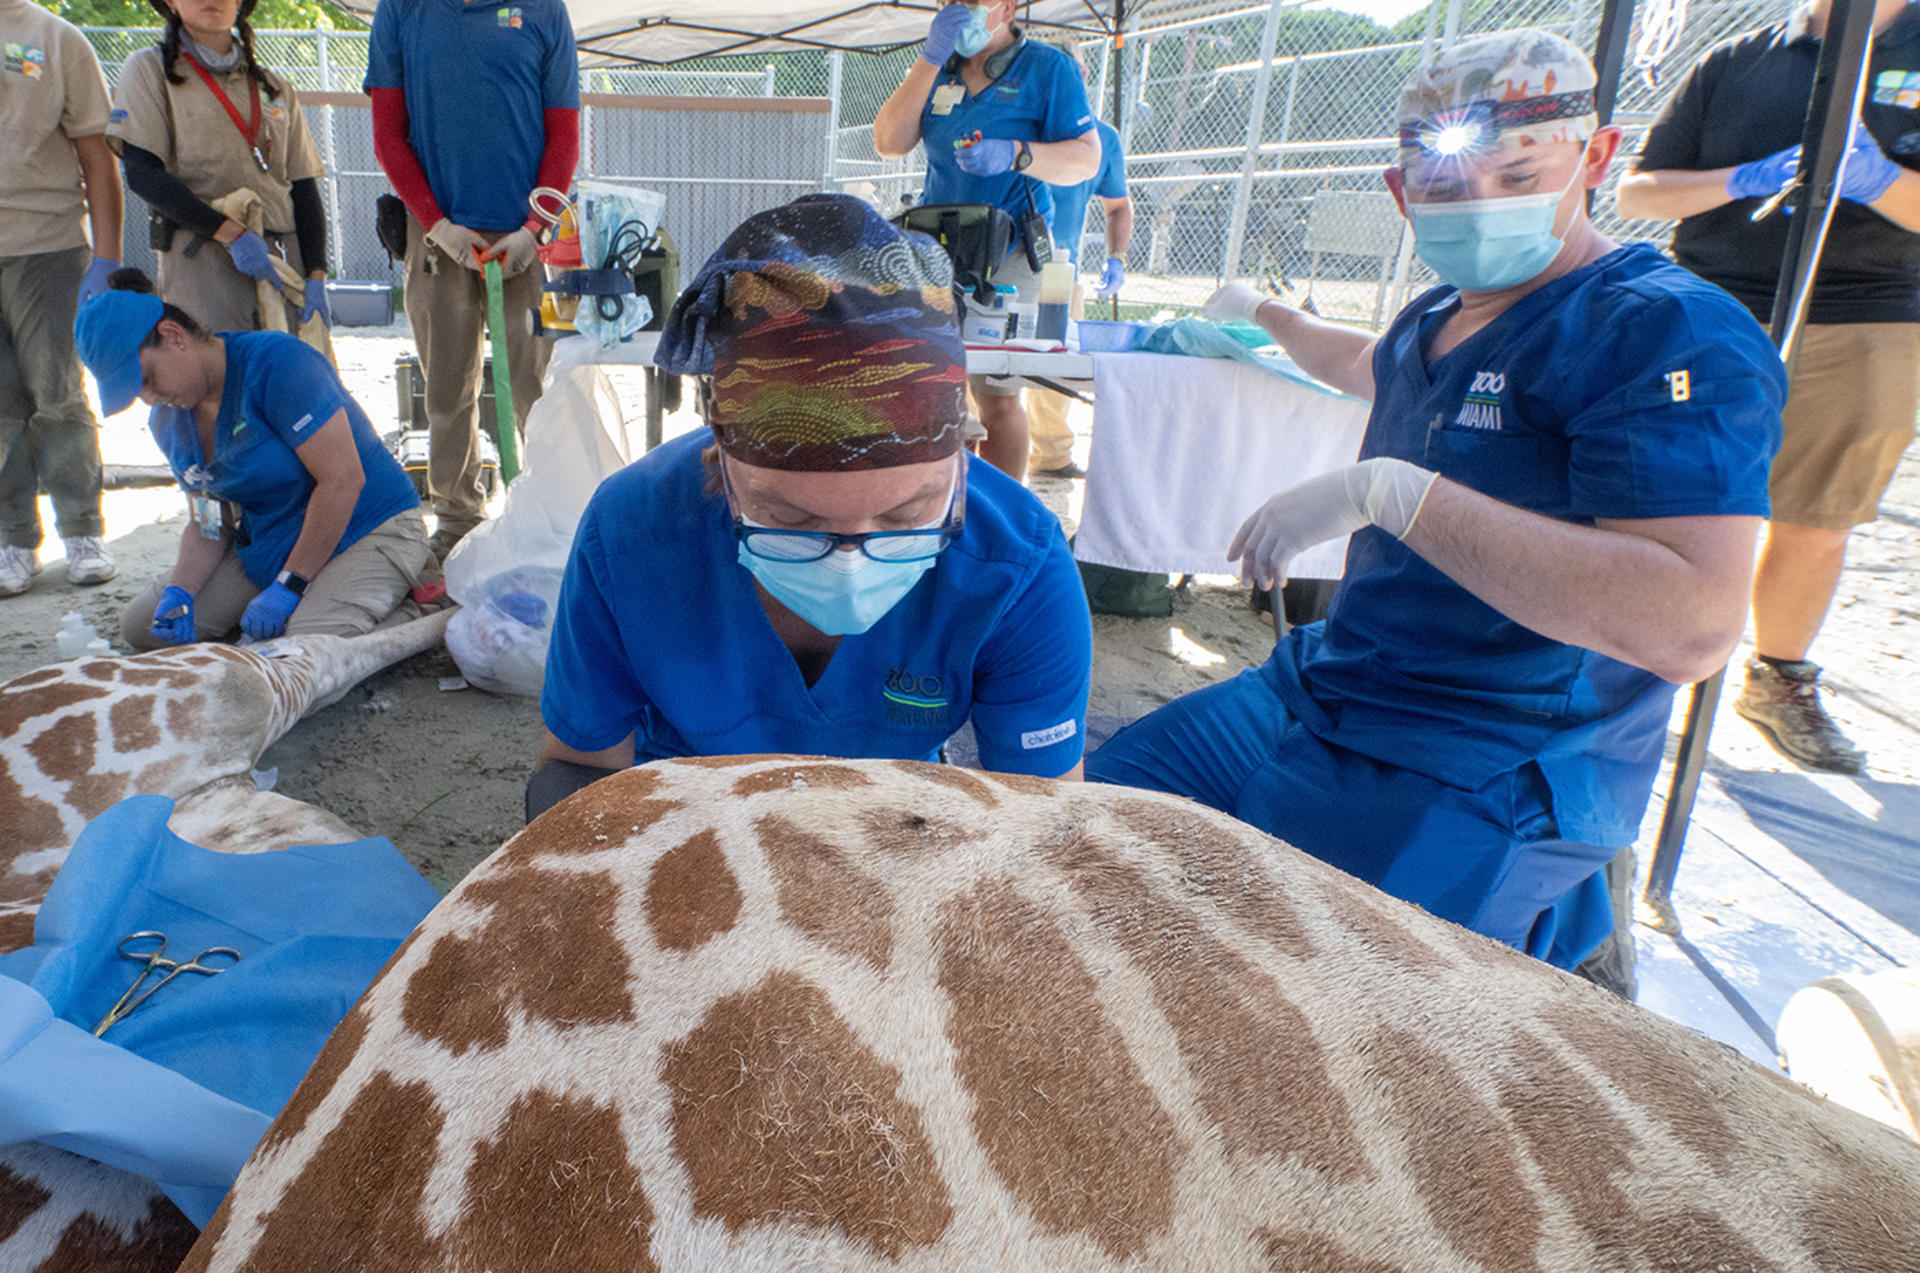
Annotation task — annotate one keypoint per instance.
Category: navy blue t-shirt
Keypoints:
(1627, 389)
(661, 634)
(477, 78)
(1070, 202)
(279, 392)
(1039, 97)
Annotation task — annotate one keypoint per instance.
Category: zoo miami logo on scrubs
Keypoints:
(27, 60)
(1897, 88)
(1481, 409)
(915, 700)
(508, 17)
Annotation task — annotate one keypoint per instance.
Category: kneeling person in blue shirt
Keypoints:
(829, 573)
(300, 520)
(1553, 522)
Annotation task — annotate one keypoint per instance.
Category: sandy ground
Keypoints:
(441, 773)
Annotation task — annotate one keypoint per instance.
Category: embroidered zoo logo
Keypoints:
(915, 700)
(508, 17)
(1481, 408)
(26, 60)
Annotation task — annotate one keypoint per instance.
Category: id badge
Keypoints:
(946, 97)
(206, 514)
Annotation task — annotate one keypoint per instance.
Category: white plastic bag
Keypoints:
(506, 572)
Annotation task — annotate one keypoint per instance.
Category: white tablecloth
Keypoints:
(1184, 448)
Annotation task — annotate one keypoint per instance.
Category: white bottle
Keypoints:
(99, 647)
(73, 635)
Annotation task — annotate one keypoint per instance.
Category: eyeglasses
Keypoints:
(878, 545)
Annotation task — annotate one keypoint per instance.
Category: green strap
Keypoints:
(504, 414)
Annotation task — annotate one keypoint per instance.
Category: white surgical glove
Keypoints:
(1234, 303)
(1379, 492)
(457, 242)
(514, 251)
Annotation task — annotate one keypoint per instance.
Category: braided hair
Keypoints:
(170, 46)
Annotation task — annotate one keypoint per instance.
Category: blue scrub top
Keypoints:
(279, 392)
(1070, 202)
(478, 78)
(661, 634)
(1567, 404)
(1039, 97)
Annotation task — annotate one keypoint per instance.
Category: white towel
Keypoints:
(1184, 448)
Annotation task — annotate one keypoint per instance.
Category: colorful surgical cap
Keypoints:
(833, 340)
(1497, 92)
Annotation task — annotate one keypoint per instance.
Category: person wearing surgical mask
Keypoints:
(1003, 119)
(1553, 517)
(826, 570)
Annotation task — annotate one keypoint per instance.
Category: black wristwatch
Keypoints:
(1023, 160)
(296, 584)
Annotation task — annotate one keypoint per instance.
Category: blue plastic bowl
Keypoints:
(1097, 337)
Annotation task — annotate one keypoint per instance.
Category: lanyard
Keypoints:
(250, 131)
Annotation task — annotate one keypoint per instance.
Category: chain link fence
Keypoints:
(1238, 163)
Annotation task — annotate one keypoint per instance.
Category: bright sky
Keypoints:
(1385, 12)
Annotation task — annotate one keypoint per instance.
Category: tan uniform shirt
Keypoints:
(51, 91)
(190, 131)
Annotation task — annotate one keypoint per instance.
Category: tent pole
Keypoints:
(1832, 107)
(1118, 53)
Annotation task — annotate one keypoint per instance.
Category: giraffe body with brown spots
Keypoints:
(773, 1013)
(78, 736)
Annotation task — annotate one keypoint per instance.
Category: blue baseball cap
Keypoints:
(109, 332)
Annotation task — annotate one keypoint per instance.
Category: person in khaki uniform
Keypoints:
(54, 164)
(474, 107)
(195, 119)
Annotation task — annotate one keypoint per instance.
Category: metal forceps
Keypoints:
(155, 958)
(1774, 200)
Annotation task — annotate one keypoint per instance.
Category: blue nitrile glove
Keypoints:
(944, 33)
(173, 617)
(252, 257)
(1111, 277)
(267, 614)
(1764, 178)
(95, 281)
(316, 290)
(988, 157)
(1868, 171)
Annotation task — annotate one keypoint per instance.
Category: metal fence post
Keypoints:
(1256, 128)
(835, 71)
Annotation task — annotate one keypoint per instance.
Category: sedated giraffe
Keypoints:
(781, 1013)
(76, 737)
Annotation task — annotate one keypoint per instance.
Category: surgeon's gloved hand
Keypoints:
(1379, 492)
(457, 242)
(1763, 178)
(1867, 172)
(944, 32)
(267, 614)
(252, 257)
(173, 617)
(317, 303)
(988, 157)
(1111, 277)
(514, 251)
(1234, 303)
(95, 281)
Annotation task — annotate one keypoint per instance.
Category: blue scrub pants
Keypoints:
(1487, 859)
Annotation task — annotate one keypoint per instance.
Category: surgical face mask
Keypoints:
(1484, 245)
(975, 35)
(843, 592)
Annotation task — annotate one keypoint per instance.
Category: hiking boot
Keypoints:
(18, 566)
(88, 561)
(1783, 702)
(1067, 471)
(441, 542)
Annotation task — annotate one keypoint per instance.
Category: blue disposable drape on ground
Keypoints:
(182, 1089)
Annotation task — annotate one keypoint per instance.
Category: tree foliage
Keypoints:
(268, 15)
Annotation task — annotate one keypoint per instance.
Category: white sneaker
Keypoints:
(88, 560)
(18, 566)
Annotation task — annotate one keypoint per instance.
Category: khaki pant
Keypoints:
(211, 288)
(1848, 419)
(350, 596)
(48, 436)
(447, 305)
(1048, 432)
